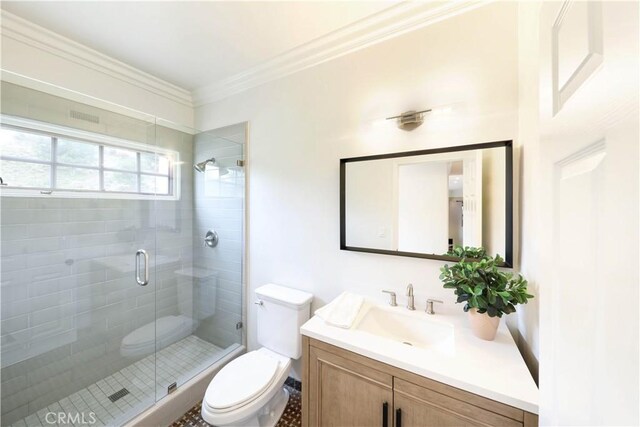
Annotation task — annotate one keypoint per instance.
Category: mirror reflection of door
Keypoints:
(439, 203)
(423, 198)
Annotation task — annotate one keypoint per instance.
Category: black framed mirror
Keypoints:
(424, 203)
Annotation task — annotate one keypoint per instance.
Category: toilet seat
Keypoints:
(243, 386)
(241, 381)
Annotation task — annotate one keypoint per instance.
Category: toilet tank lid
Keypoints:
(284, 295)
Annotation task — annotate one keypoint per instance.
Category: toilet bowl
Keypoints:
(249, 391)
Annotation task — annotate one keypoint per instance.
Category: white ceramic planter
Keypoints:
(483, 326)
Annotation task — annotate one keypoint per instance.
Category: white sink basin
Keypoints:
(410, 330)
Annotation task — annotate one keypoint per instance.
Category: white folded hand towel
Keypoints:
(342, 311)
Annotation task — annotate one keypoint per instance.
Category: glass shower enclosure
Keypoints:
(121, 263)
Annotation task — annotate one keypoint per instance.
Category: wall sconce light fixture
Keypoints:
(410, 120)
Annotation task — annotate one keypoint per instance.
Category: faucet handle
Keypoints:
(430, 302)
(392, 297)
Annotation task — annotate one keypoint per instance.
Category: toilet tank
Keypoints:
(281, 312)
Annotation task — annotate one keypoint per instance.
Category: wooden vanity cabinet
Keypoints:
(345, 386)
(344, 389)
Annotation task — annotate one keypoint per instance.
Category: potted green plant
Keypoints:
(486, 291)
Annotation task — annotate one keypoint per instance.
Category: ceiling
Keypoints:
(194, 44)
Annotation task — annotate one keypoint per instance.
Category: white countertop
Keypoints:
(492, 369)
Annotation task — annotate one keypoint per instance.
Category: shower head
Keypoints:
(200, 167)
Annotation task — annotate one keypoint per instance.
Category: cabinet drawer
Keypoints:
(424, 406)
(464, 396)
(368, 373)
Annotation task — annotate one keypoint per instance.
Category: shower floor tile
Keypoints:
(175, 363)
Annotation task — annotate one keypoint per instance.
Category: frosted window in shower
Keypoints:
(77, 153)
(22, 145)
(70, 178)
(35, 159)
(154, 184)
(119, 181)
(120, 159)
(23, 174)
(154, 163)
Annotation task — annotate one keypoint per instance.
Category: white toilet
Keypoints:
(249, 391)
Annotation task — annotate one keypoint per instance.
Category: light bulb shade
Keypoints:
(410, 119)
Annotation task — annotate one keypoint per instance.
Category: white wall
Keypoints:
(300, 126)
(526, 154)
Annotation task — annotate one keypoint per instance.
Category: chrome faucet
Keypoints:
(410, 300)
(430, 302)
(392, 297)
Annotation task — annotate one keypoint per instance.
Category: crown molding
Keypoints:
(391, 22)
(24, 31)
(394, 21)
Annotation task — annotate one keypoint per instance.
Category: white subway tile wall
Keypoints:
(219, 206)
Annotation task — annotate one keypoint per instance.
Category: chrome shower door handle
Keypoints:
(145, 280)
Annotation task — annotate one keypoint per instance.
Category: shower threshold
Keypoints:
(96, 405)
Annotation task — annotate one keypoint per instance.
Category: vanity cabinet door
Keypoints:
(345, 393)
(417, 406)
(411, 412)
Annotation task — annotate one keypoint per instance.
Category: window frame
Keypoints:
(56, 132)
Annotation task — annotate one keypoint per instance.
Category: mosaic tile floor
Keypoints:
(177, 362)
(291, 417)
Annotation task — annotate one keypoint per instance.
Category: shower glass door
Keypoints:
(199, 268)
(111, 296)
(78, 252)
